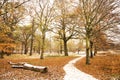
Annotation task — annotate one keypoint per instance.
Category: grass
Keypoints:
(102, 67)
(54, 64)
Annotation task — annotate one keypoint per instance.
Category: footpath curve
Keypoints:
(72, 73)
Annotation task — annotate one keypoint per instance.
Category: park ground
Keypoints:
(103, 67)
(54, 64)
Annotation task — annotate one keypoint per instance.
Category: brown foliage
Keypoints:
(55, 69)
(7, 47)
(102, 67)
(101, 41)
(7, 44)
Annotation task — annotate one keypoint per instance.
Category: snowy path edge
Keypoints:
(72, 73)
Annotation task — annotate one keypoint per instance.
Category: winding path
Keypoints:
(72, 73)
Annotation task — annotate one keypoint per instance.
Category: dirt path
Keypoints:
(72, 73)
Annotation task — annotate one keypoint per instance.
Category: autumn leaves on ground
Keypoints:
(54, 64)
(102, 67)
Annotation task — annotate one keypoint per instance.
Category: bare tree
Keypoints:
(25, 34)
(97, 12)
(11, 12)
(32, 37)
(45, 15)
(65, 25)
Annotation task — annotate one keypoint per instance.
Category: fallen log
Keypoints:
(24, 65)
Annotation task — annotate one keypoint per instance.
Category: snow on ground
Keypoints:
(72, 73)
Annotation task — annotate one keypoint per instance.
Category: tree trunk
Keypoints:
(60, 50)
(25, 48)
(91, 49)
(65, 48)
(31, 46)
(32, 35)
(27, 66)
(87, 50)
(39, 47)
(50, 49)
(42, 47)
(22, 47)
(1, 55)
(95, 50)
(34, 49)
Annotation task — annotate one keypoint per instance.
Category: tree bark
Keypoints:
(65, 48)
(39, 48)
(1, 55)
(25, 48)
(91, 49)
(27, 66)
(87, 50)
(95, 50)
(32, 35)
(43, 45)
(22, 47)
(31, 46)
(60, 50)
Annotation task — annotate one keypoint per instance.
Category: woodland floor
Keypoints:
(54, 64)
(102, 67)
